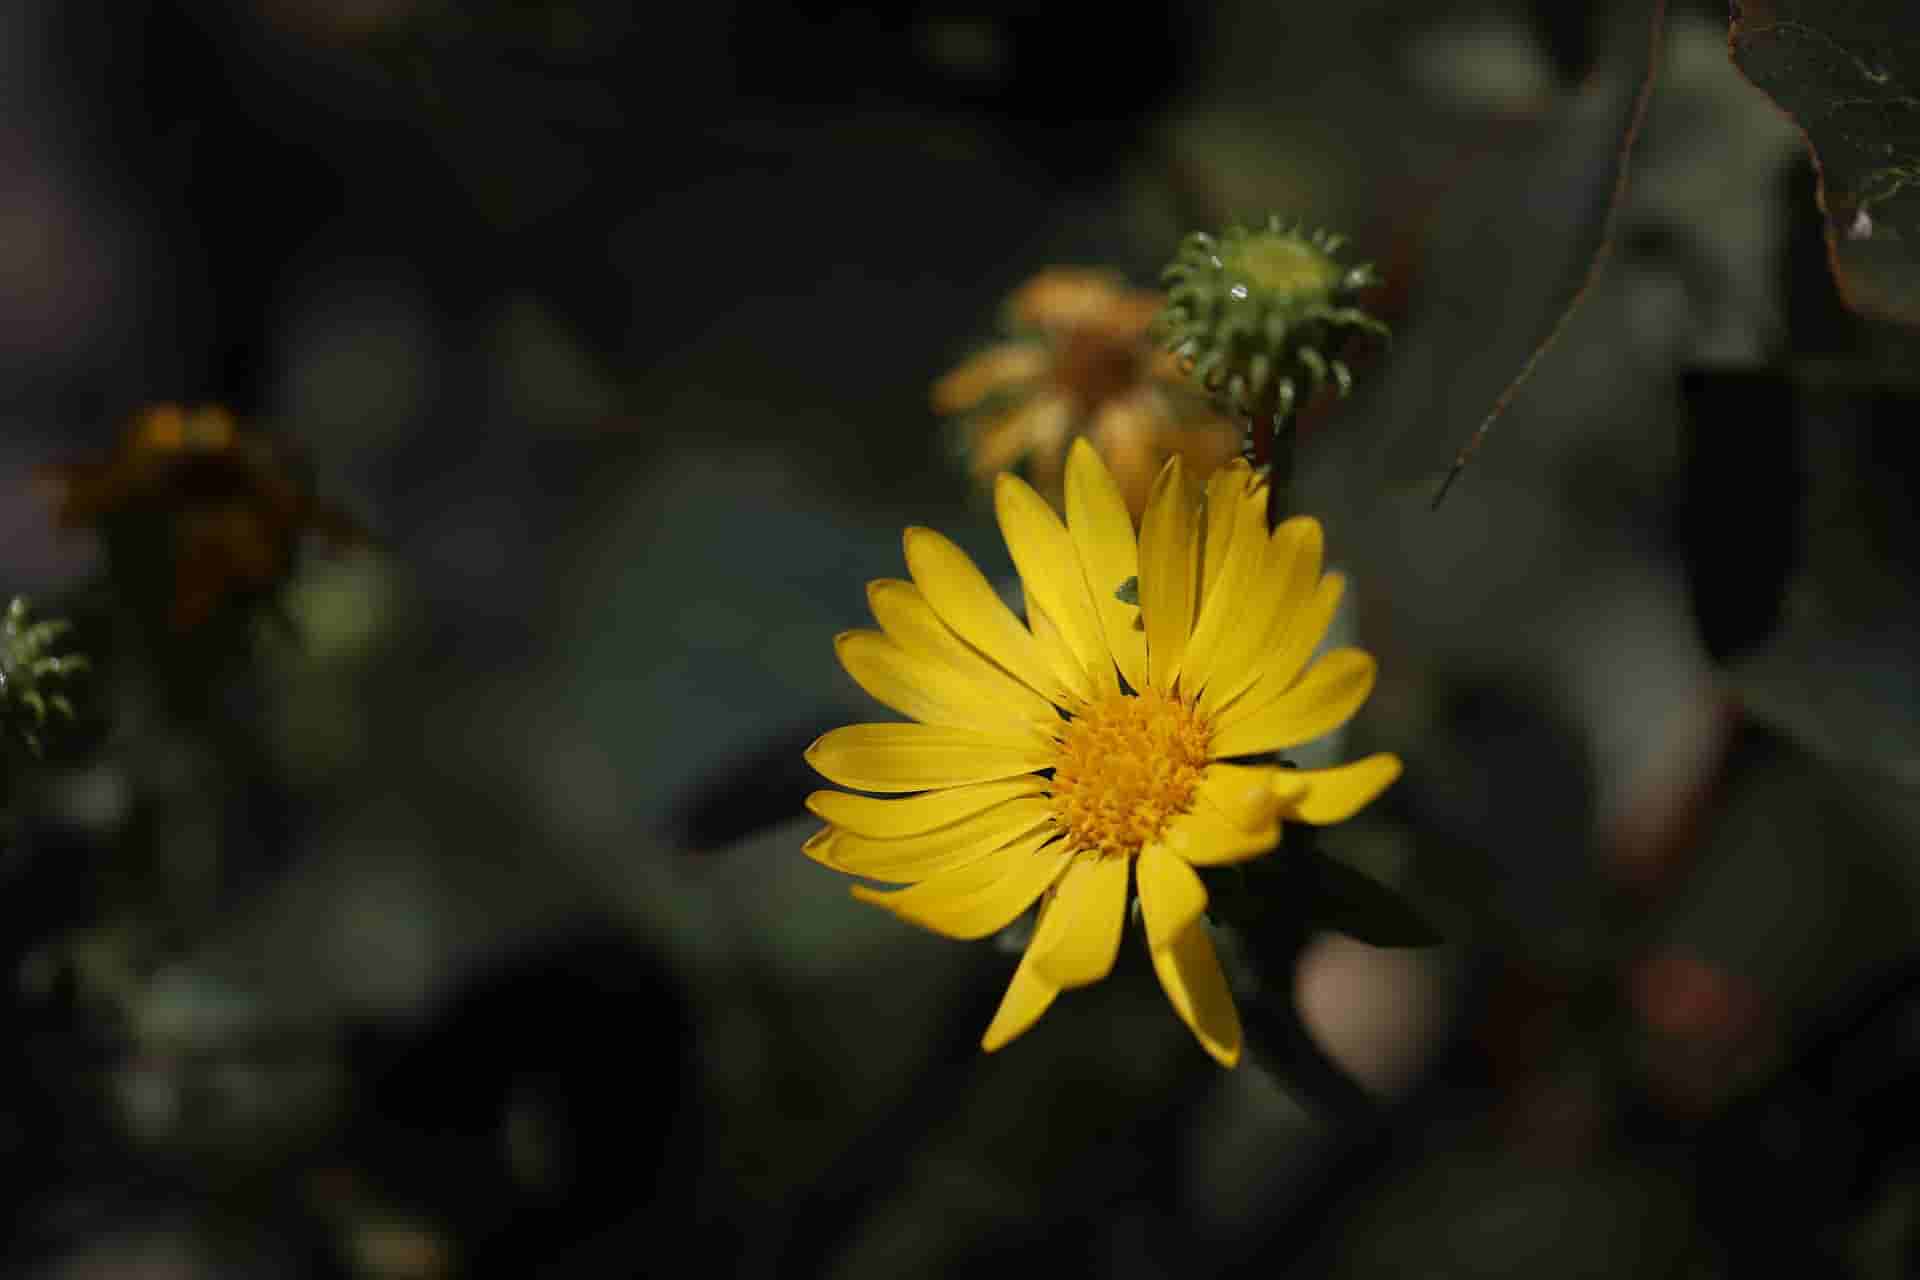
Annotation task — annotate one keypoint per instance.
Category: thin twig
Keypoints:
(1609, 225)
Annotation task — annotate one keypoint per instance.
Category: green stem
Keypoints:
(1270, 439)
(1280, 468)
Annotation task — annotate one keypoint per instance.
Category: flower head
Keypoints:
(1100, 747)
(1079, 362)
(225, 503)
(1251, 310)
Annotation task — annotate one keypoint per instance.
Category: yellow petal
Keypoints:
(1275, 597)
(1292, 642)
(1103, 537)
(1171, 895)
(1191, 976)
(963, 598)
(1324, 699)
(1300, 545)
(910, 622)
(1168, 550)
(919, 757)
(1207, 837)
(995, 369)
(1028, 996)
(1049, 567)
(1225, 487)
(1336, 794)
(923, 688)
(1076, 943)
(1298, 635)
(982, 897)
(889, 819)
(1059, 656)
(1250, 796)
(819, 847)
(1235, 601)
(936, 852)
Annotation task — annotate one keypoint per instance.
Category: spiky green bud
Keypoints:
(29, 670)
(1255, 313)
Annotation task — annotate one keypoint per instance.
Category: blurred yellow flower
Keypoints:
(230, 503)
(1091, 748)
(1080, 363)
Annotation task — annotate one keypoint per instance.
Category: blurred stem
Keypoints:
(1280, 469)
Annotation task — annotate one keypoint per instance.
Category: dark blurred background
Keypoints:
(463, 930)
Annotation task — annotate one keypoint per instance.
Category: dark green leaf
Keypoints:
(1848, 73)
(1128, 592)
(1335, 896)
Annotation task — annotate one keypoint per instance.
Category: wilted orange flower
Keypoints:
(1078, 362)
(229, 503)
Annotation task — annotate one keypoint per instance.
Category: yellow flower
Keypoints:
(1082, 364)
(1061, 761)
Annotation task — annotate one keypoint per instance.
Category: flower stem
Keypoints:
(1270, 441)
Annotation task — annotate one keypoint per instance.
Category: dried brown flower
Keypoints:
(1078, 361)
(229, 503)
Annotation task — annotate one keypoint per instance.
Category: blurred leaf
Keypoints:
(1849, 75)
(1279, 901)
(1348, 901)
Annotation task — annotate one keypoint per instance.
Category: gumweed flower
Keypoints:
(226, 505)
(1078, 361)
(1102, 748)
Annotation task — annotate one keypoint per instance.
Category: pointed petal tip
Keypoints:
(1304, 527)
(917, 533)
(1028, 997)
(1196, 986)
(819, 848)
(881, 586)
(1007, 485)
(1336, 794)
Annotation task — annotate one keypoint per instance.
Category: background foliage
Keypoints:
(441, 912)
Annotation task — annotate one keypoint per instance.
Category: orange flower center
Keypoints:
(1126, 766)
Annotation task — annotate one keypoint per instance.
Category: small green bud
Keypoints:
(27, 668)
(1253, 314)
